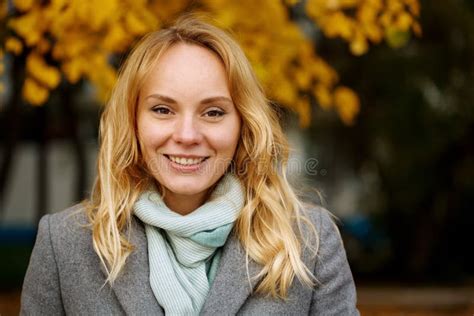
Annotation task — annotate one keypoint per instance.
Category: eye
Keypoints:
(214, 113)
(162, 110)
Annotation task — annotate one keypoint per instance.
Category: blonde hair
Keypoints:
(269, 224)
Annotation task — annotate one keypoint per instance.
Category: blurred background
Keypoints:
(375, 95)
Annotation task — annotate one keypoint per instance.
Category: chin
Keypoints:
(186, 189)
(185, 186)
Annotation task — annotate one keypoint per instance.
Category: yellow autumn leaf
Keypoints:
(261, 71)
(13, 45)
(303, 108)
(367, 13)
(322, 72)
(43, 46)
(34, 93)
(285, 92)
(403, 21)
(373, 32)
(376, 4)
(3, 9)
(302, 78)
(349, 3)
(166, 10)
(338, 24)
(359, 45)
(23, 5)
(73, 69)
(313, 8)
(57, 5)
(134, 25)
(386, 19)
(339, 4)
(414, 6)
(44, 73)
(394, 6)
(28, 26)
(74, 45)
(347, 104)
(105, 83)
(117, 39)
(323, 96)
(396, 38)
(101, 74)
(97, 12)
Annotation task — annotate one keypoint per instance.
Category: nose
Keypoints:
(187, 131)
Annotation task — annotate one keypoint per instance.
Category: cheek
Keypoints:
(144, 150)
(149, 144)
(228, 140)
(149, 139)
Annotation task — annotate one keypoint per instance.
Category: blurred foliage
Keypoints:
(411, 153)
(76, 39)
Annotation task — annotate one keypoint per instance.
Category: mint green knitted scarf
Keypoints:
(181, 248)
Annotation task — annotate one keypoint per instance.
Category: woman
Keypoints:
(191, 212)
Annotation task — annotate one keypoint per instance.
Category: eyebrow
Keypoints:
(167, 99)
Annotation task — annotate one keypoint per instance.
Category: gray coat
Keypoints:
(65, 276)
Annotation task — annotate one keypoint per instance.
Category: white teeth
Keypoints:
(186, 161)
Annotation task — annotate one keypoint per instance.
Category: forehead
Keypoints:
(179, 50)
(182, 60)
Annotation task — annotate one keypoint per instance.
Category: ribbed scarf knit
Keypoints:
(181, 248)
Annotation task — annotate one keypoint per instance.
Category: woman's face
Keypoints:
(188, 126)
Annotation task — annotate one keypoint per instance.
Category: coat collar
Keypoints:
(233, 282)
(132, 288)
(231, 285)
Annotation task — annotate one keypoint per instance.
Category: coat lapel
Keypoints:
(231, 286)
(132, 288)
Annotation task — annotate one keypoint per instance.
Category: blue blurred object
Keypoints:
(362, 229)
(16, 243)
(17, 235)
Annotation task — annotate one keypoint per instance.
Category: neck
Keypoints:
(184, 204)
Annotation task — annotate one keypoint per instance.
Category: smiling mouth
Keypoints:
(186, 161)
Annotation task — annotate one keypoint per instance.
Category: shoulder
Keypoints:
(319, 215)
(67, 229)
(70, 220)
(75, 214)
(318, 219)
(323, 245)
(335, 292)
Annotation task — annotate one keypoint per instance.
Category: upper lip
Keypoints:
(186, 156)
